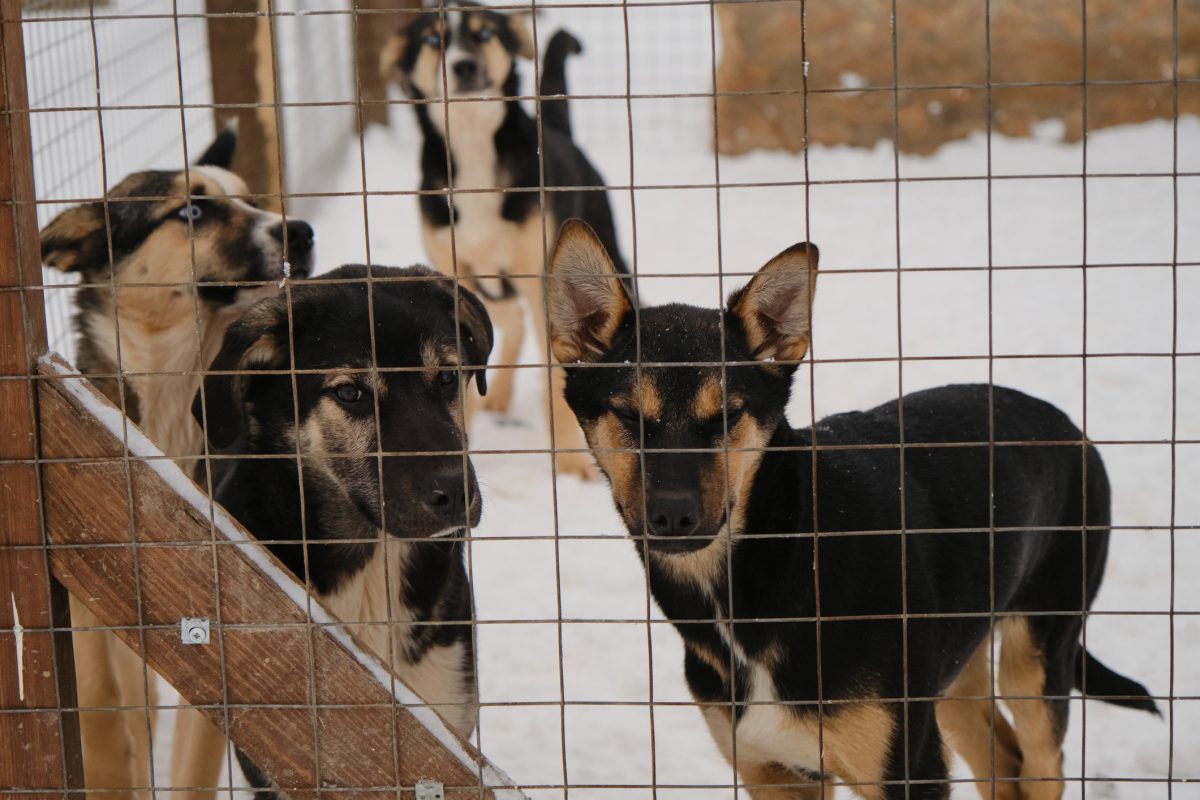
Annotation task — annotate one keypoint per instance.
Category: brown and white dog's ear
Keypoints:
(76, 239)
(587, 300)
(519, 25)
(220, 152)
(249, 344)
(775, 308)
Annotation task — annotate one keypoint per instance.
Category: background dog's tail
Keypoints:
(555, 113)
(1111, 687)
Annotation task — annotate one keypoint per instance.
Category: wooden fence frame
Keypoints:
(69, 466)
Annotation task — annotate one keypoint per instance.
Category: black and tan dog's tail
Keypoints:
(555, 113)
(1111, 687)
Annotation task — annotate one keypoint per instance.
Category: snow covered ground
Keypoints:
(580, 700)
(573, 696)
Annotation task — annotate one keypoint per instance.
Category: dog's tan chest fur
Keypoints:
(848, 740)
(374, 597)
(485, 243)
(162, 365)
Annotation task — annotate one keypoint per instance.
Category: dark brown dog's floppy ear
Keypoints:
(775, 308)
(249, 344)
(220, 152)
(587, 300)
(475, 330)
(519, 23)
(76, 239)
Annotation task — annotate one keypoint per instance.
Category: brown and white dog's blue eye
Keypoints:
(193, 211)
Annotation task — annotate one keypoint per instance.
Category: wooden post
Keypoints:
(306, 703)
(241, 59)
(40, 756)
(371, 34)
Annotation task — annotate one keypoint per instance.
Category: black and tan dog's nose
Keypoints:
(467, 69)
(673, 513)
(446, 496)
(300, 235)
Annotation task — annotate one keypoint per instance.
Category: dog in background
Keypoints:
(167, 261)
(725, 501)
(485, 147)
(370, 432)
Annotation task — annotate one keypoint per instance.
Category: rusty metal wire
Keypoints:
(64, 116)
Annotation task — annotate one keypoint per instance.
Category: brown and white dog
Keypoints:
(494, 160)
(168, 260)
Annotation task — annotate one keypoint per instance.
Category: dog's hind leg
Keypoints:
(110, 676)
(509, 319)
(197, 755)
(977, 730)
(1037, 660)
(139, 691)
(107, 749)
(567, 434)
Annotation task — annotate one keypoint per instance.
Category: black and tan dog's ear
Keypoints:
(519, 26)
(775, 308)
(587, 300)
(475, 330)
(76, 239)
(249, 344)
(220, 152)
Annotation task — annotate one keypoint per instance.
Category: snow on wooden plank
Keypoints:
(305, 701)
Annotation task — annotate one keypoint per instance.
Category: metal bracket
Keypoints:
(430, 790)
(193, 630)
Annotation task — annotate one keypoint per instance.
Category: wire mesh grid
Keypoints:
(1058, 268)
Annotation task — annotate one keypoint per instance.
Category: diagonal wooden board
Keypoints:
(366, 734)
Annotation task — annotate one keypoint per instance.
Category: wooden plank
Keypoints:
(39, 742)
(374, 22)
(240, 58)
(359, 735)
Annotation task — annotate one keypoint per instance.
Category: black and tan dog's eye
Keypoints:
(484, 35)
(348, 393)
(630, 416)
(190, 211)
(448, 378)
(433, 39)
(732, 415)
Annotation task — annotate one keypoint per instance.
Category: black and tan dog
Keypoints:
(360, 460)
(484, 147)
(761, 528)
(167, 261)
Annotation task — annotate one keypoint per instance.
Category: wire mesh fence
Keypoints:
(995, 233)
